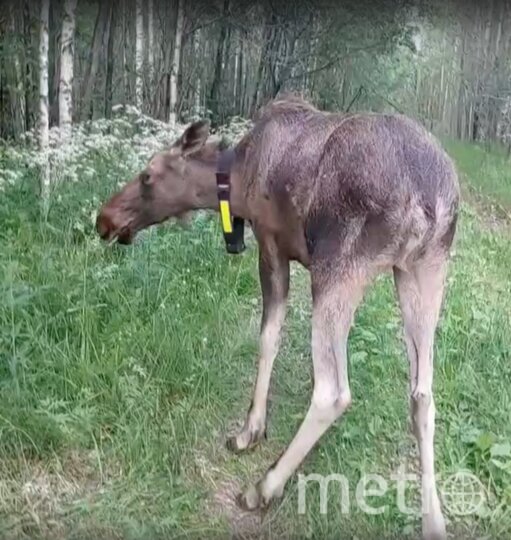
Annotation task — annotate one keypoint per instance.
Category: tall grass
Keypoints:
(487, 172)
(122, 369)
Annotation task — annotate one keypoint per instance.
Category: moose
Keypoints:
(346, 195)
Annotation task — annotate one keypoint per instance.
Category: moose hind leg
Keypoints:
(420, 294)
(333, 311)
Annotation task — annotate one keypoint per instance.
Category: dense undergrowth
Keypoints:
(121, 369)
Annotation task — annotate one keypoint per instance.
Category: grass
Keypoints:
(122, 370)
(487, 173)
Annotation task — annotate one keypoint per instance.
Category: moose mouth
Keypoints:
(122, 235)
(125, 236)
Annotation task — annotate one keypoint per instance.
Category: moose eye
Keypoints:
(144, 178)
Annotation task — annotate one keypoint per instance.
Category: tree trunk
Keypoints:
(495, 101)
(197, 109)
(461, 92)
(17, 92)
(27, 56)
(486, 74)
(314, 54)
(54, 61)
(174, 68)
(125, 70)
(150, 47)
(214, 95)
(43, 102)
(240, 97)
(110, 61)
(3, 91)
(100, 29)
(235, 76)
(66, 67)
(139, 55)
(273, 57)
(167, 69)
(267, 36)
(282, 73)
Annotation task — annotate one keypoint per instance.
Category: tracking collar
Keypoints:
(232, 226)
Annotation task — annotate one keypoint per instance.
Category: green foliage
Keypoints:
(487, 173)
(121, 369)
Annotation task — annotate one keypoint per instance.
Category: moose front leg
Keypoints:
(334, 305)
(274, 277)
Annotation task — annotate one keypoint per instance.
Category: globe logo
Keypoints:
(462, 494)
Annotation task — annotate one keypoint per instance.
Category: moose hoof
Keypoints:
(246, 440)
(232, 445)
(252, 499)
(260, 495)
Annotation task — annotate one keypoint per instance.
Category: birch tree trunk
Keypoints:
(66, 68)
(150, 45)
(43, 101)
(239, 77)
(235, 78)
(197, 90)
(139, 55)
(125, 70)
(174, 68)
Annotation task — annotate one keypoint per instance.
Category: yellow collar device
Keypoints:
(232, 226)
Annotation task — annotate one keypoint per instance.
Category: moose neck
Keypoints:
(205, 195)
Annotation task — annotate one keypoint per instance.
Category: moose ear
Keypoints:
(193, 138)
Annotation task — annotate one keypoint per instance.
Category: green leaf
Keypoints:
(501, 450)
(358, 356)
(485, 441)
(503, 466)
(470, 435)
(367, 335)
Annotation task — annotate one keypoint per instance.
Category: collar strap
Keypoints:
(232, 226)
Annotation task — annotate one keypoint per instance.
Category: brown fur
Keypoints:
(360, 185)
(346, 195)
